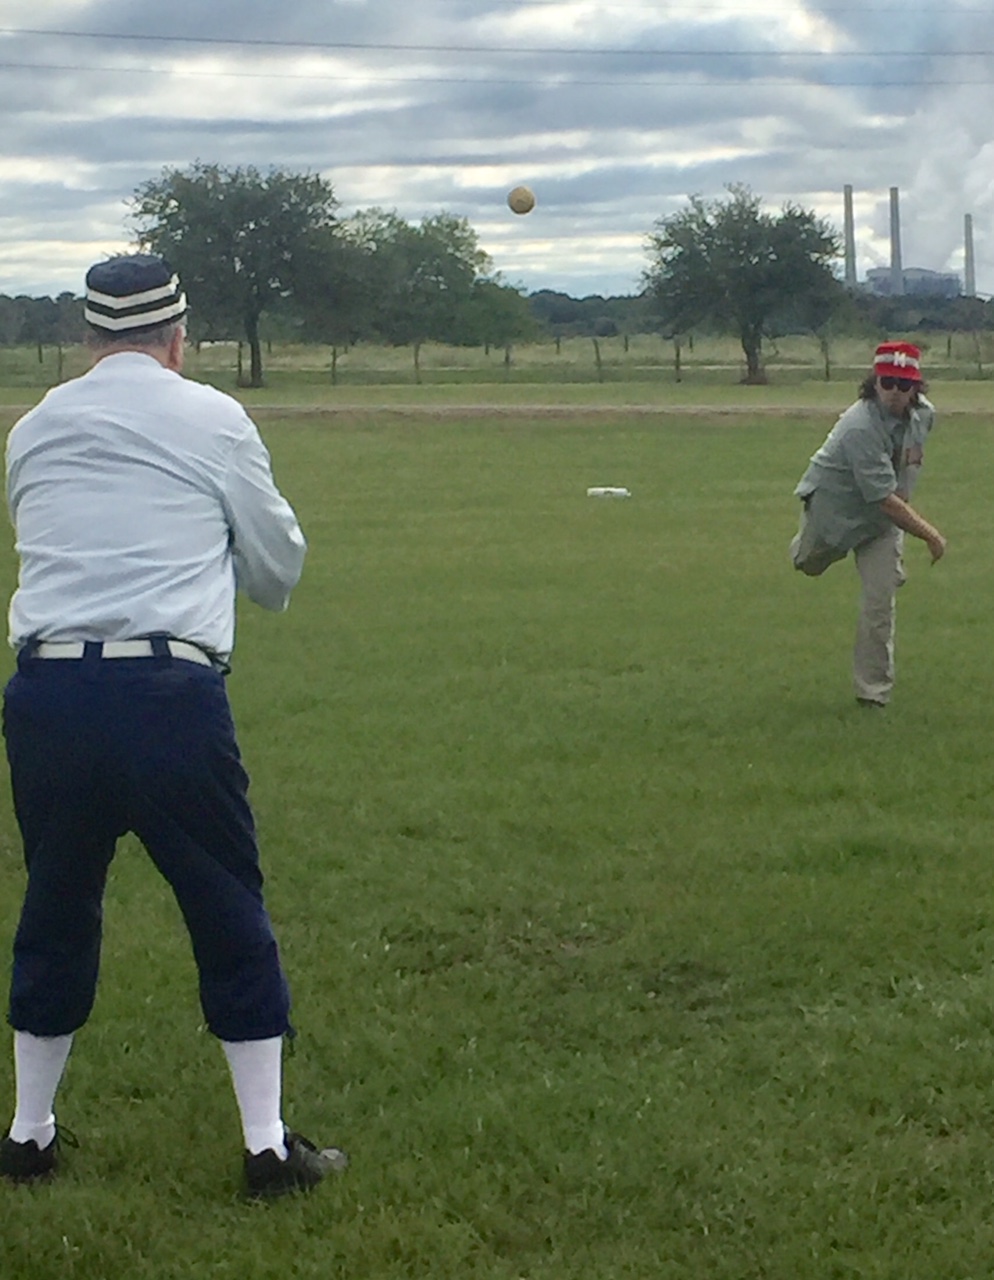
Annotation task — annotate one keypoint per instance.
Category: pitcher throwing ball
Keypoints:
(140, 501)
(855, 497)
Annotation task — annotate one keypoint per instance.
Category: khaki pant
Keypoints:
(808, 553)
(881, 572)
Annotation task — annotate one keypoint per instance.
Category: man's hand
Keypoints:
(936, 545)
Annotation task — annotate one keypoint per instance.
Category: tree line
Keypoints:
(44, 321)
(41, 322)
(268, 249)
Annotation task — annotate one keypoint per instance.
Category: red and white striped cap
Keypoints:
(898, 360)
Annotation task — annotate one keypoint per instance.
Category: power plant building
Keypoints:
(897, 280)
(916, 281)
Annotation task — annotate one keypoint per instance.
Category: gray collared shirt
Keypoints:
(867, 456)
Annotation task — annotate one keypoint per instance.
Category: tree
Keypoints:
(41, 323)
(496, 315)
(332, 303)
(242, 241)
(420, 278)
(592, 316)
(728, 264)
(69, 326)
(11, 321)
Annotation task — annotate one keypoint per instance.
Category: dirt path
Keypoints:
(537, 410)
(534, 411)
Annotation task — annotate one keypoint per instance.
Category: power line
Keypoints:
(627, 82)
(532, 50)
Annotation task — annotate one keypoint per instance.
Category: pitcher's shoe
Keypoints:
(267, 1176)
(27, 1162)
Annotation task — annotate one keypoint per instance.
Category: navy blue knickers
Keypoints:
(98, 747)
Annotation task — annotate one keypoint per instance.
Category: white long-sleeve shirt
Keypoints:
(140, 499)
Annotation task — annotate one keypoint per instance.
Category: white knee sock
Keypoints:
(39, 1062)
(257, 1074)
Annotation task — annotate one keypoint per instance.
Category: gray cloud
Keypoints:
(613, 112)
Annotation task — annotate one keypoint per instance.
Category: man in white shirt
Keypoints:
(141, 501)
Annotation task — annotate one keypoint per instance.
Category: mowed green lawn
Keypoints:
(623, 944)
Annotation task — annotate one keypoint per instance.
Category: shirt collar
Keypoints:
(118, 358)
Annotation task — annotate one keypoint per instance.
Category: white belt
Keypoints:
(120, 649)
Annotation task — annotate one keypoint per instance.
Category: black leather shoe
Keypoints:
(26, 1161)
(267, 1176)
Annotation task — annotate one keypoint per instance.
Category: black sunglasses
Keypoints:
(902, 384)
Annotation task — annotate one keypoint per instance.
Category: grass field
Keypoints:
(622, 943)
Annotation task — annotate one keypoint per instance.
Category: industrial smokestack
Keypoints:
(850, 240)
(896, 269)
(969, 267)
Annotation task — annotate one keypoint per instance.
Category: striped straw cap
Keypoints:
(133, 291)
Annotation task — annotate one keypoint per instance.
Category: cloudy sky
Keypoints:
(612, 111)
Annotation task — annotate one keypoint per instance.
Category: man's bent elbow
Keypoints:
(269, 585)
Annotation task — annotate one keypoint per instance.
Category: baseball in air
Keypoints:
(521, 200)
